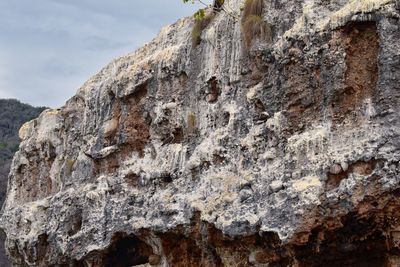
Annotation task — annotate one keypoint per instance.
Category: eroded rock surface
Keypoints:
(284, 152)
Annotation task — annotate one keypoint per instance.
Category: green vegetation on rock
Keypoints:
(13, 114)
(202, 21)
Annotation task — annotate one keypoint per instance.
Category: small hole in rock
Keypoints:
(132, 179)
(167, 178)
(76, 223)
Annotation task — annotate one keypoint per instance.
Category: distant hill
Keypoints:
(13, 114)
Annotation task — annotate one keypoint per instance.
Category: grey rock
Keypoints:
(141, 157)
(335, 169)
(276, 186)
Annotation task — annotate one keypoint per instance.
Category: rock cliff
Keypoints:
(263, 135)
(13, 114)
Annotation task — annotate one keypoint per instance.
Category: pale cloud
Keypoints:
(48, 48)
(3, 93)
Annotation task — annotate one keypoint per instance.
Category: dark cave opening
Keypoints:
(126, 251)
(359, 243)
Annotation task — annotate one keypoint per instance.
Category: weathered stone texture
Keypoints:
(282, 153)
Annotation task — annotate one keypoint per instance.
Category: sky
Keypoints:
(49, 48)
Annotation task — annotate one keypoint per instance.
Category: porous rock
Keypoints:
(165, 157)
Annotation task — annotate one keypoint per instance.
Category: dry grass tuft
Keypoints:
(253, 7)
(191, 121)
(199, 26)
(253, 25)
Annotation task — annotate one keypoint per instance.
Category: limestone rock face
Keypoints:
(281, 151)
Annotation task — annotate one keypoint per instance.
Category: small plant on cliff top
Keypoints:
(202, 21)
(216, 7)
(253, 25)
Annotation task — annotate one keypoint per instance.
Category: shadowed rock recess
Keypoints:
(278, 150)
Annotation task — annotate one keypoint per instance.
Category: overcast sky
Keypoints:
(49, 48)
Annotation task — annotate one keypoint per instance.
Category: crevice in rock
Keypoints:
(177, 135)
(135, 131)
(140, 92)
(361, 43)
(167, 178)
(132, 179)
(128, 130)
(75, 223)
(42, 248)
(213, 90)
(359, 167)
